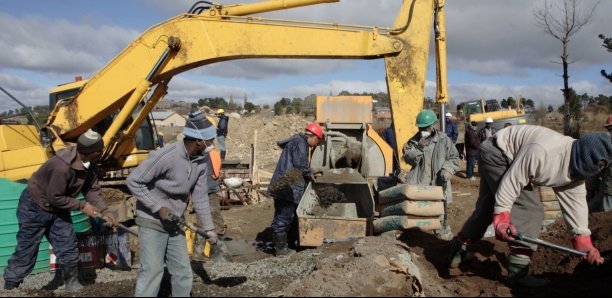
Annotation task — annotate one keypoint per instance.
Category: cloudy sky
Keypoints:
(495, 50)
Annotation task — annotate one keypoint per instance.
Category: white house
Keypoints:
(164, 119)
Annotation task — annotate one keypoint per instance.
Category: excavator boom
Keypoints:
(115, 102)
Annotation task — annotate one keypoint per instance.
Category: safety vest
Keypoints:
(215, 160)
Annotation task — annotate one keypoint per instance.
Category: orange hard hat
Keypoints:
(315, 129)
(609, 122)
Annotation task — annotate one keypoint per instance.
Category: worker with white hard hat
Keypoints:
(451, 128)
(487, 131)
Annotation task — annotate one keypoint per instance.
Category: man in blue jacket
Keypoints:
(451, 128)
(289, 182)
(222, 129)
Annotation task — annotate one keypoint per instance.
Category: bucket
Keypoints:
(9, 226)
(80, 222)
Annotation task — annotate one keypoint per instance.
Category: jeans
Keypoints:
(155, 247)
(34, 222)
(221, 141)
(471, 162)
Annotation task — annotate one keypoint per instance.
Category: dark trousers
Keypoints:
(527, 212)
(34, 222)
(284, 215)
(469, 169)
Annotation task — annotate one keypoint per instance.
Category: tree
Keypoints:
(607, 43)
(250, 107)
(562, 20)
(550, 109)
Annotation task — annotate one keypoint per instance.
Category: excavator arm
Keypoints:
(219, 33)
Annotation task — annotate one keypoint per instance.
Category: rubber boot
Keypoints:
(71, 278)
(222, 155)
(459, 252)
(280, 244)
(518, 273)
(9, 285)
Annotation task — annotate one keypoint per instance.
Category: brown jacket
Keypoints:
(59, 181)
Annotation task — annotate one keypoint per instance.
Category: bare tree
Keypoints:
(562, 19)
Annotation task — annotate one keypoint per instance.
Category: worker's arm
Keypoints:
(92, 194)
(139, 180)
(452, 159)
(200, 200)
(412, 153)
(574, 208)
(528, 163)
(299, 157)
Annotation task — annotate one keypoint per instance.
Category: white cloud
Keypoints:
(190, 90)
(24, 90)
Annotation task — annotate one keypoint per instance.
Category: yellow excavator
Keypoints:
(117, 100)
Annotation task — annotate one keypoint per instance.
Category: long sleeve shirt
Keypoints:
(541, 156)
(167, 179)
(61, 179)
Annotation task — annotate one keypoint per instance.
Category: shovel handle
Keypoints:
(564, 249)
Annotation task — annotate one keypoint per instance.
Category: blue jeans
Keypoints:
(155, 247)
(221, 141)
(34, 222)
(469, 170)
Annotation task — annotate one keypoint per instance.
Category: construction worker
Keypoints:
(599, 187)
(222, 129)
(434, 160)
(45, 205)
(487, 131)
(509, 163)
(451, 128)
(162, 185)
(472, 142)
(289, 182)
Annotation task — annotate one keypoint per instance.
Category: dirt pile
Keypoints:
(270, 129)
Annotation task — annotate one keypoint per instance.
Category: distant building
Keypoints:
(165, 119)
(382, 113)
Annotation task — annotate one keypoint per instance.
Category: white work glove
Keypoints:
(212, 236)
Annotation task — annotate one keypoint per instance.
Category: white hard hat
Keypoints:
(489, 120)
(449, 115)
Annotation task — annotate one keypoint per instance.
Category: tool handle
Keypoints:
(182, 223)
(568, 250)
(119, 225)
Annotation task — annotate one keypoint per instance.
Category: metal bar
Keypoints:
(548, 244)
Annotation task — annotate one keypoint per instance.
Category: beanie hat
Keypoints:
(588, 151)
(89, 142)
(199, 127)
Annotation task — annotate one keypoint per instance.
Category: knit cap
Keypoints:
(588, 151)
(89, 142)
(199, 127)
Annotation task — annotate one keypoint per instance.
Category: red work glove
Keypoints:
(583, 243)
(503, 228)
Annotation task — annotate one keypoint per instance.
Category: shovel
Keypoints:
(219, 248)
(537, 241)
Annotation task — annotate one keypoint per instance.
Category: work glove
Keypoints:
(109, 219)
(583, 243)
(167, 221)
(422, 143)
(503, 228)
(446, 175)
(89, 210)
(212, 236)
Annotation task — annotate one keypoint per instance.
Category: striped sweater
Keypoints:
(167, 179)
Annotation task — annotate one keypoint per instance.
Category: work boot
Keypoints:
(518, 273)
(9, 285)
(280, 244)
(459, 253)
(71, 278)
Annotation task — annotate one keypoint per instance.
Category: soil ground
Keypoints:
(406, 263)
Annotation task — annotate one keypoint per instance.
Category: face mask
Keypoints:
(210, 148)
(86, 164)
(425, 134)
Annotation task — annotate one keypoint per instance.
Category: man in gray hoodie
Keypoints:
(510, 162)
(162, 185)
